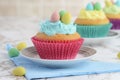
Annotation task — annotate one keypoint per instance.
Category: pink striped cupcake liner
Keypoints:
(58, 50)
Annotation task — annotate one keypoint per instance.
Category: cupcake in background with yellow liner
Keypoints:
(92, 22)
(112, 11)
(57, 38)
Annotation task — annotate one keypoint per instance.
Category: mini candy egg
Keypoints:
(97, 6)
(108, 3)
(118, 55)
(66, 18)
(13, 52)
(112, 1)
(19, 71)
(61, 13)
(8, 47)
(55, 17)
(93, 3)
(89, 6)
(21, 46)
(118, 3)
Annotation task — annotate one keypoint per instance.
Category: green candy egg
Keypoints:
(66, 18)
(97, 6)
(13, 52)
(61, 13)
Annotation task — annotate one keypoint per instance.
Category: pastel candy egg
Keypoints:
(112, 1)
(61, 13)
(89, 6)
(108, 3)
(97, 6)
(55, 17)
(21, 45)
(118, 3)
(66, 18)
(13, 52)
(19, 71)
(118, 55)
(8, 47)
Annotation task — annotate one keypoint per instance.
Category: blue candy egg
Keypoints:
(89, 6)
(8, 46)
(118, 3)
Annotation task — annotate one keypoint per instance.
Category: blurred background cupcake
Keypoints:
(92, 22)
(112, 10)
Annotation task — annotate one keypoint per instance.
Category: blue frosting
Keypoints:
(58, 27)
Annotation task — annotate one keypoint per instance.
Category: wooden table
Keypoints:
(14, 30)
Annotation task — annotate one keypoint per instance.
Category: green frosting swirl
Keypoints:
(58, 27)
(112, 9)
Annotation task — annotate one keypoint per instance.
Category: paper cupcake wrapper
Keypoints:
(116, 23)
(58, 50)
(93, 31)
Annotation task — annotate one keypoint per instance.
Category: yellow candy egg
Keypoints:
(66, 18)
(21, 46)
(19, 71)
(108, 3)
(118, 55)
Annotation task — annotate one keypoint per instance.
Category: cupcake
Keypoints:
(92, 22)
(57, 38)
(112, 11)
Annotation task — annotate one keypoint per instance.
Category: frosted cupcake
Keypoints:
(92, 22)
(57, 38)
(112, 11)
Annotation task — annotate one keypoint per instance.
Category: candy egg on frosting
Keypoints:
(89, 6)
(108, 3)
(117, 3)
(112, 1)
(97, 6)
(55, 17)
(61, 13)
(66, 18)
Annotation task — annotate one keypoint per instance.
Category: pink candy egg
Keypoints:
(112, 1)
(55, 17)
(93, 3)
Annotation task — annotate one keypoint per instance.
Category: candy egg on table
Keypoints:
(8, 47)
(118, 55)
(13, 52)
(66, 18)
(19, 71)
(21, 45)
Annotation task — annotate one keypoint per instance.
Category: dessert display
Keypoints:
(57, 38)
(92, 22)
(112, 10)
